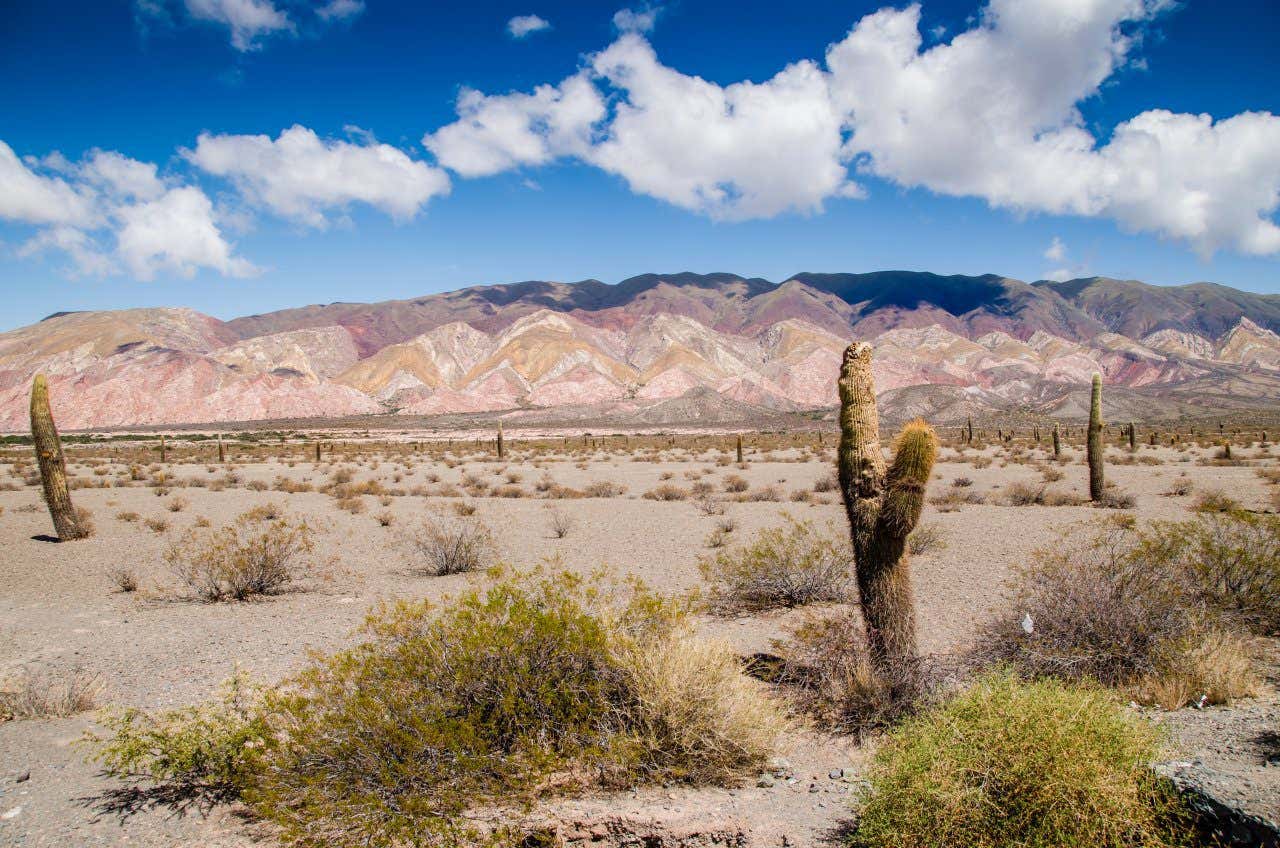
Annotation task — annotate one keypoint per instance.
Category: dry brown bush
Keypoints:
(451, 545)
(44, 693)
(250, 557)
(666, 492)
(786, 566)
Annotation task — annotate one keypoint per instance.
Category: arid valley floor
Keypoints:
(61, 611)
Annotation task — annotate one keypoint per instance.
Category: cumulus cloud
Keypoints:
(495, 133)
(109, 212)
(302, 177)
(522, 26)
(993, 113)
(746, 150)
(175, 232)
(340, 10)
(636, 20)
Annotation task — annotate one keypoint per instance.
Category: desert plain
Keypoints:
(63, 612)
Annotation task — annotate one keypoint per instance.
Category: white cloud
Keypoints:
(109, 211)
(301, 176)
(992, 113)
(1056, 251)
(1059, 275)
(522, 26)
(32, 198)
(175, 232)
(495, 133)
(636, 20)
(248, 20)
(745, 150)
(340, 10)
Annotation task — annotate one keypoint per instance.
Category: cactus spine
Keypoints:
(501, 447)
(1094, 442)
(740, 460)
(883, 505)
(53, 465)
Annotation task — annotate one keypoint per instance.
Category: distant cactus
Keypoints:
(53, 466)
(1226, 449)
(883, 506)
(1057, 441)
(164, 450)
(740, 460)
(222, 451)
(318, 446)
(502, 451)
(1094, 442)
(1133, 437)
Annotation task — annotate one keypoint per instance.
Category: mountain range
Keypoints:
(661, 348)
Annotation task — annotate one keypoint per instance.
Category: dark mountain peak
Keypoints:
(957, 293)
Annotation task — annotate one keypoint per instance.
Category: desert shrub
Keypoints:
(735, 484)
(826, 483)
(385, 518)
(124, 579)
(464, 508)
(127, 516)
(666, 492)
(526, 687)
(269, 511)
(1111, 606)
(604, 489)
(1015, 763)
(561, 523)
(926, 538)
(826, 668)
(200, 752)
(46, 693)
(452, 545)
(1215, 500)
(247, 558)
(177, 504)
(791, 565)
(157, 524)
(962, 482)
(1051, 474)
(1231, 561)
(1116, 499)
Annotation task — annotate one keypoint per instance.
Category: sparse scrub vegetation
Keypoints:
(528, 687)
(46, 693)
(451, 545)
(249, 558)
(791, 565)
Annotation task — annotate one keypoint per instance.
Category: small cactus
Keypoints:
(502, 448)
(222, 451)
(883, 505)
(740, 460)
(1133, 437)
(1057, 441)
(53, 465)
(164, 450)
(1094, 442)
(317, 452)
(969, 428)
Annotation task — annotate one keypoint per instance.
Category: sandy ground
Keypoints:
(59, 610)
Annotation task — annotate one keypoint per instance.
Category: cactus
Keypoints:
(164, 451)
(969, 428)
(1133, 437)
(1226, 449)
(502, 451)
(1094, 442)
(1057, 441)
(317, 452)
(222, 451)
(740, 460)
(53, 466)
(883, 506)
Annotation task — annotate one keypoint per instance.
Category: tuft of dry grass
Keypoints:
(451, 545)
(246, 559)
(44, 693)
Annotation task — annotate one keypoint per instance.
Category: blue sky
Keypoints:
(152, 161)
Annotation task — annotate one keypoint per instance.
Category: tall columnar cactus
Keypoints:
(969, 428)
(1133, 437)
(1094, 443)
(1057, 441)
(883, 505)
(501, 447)
(164, 449)
(740, 460)
(222, 451)
(318, 446)
(53, 465)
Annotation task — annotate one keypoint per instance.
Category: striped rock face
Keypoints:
(944, 346)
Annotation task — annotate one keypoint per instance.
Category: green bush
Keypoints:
(787, 566)
(1008, 763)
(199, 751)
(535, 685)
